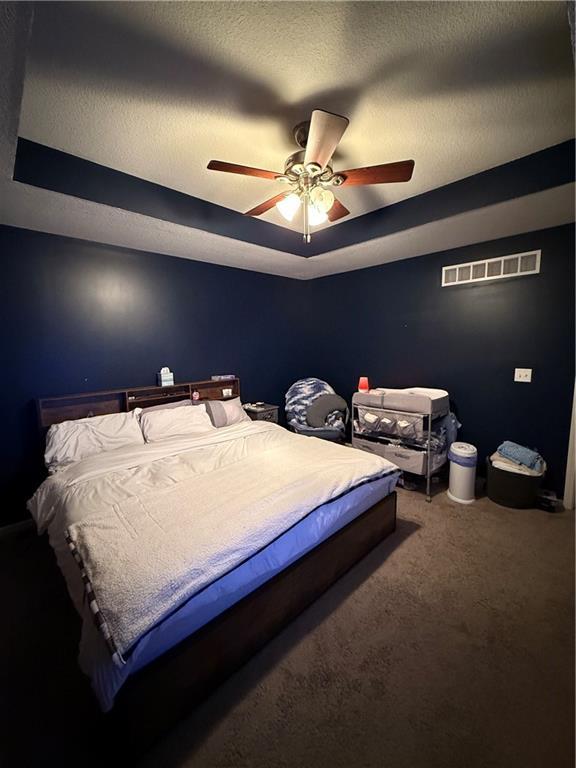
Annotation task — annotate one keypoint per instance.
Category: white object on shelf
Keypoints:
(165, 377)
(463, 458)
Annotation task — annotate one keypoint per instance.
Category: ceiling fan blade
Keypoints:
(266, 205)
(325, 133)
(379, 174)
(338, 211)
(243, 170)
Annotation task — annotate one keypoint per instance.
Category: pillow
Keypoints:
(319, 409)
(72, 441)
(224, 413)
(175, 422)
(162, 406)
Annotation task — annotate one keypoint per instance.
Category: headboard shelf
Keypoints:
(135, 397)
(53, 410)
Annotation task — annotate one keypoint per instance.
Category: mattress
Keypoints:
(412, 400)
(81, 492)
(107, 679)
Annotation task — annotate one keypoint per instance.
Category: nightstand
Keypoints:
(265, 412)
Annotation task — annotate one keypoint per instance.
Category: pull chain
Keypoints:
(306, 236)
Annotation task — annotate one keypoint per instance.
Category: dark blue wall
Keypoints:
(50, 168)
(78, 316)
(395, 324)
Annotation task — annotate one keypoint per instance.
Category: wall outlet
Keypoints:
(523, 374)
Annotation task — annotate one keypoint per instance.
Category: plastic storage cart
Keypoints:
(398, 424)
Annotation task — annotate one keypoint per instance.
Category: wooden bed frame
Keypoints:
(53, 410)
(155, 696)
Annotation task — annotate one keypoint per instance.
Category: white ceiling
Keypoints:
(158, 89)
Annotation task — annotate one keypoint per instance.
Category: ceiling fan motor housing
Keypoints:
(295, 163)
(294, 167)
(300, 133)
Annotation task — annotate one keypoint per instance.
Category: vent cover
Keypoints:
(516, 265)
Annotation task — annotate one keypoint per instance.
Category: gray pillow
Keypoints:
(224, 413)
(322, 406)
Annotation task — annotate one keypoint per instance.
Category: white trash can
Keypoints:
(463, 458)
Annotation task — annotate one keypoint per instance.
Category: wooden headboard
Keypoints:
(53, 410)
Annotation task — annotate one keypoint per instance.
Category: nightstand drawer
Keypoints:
(264, 413)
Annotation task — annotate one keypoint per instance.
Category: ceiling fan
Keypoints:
(309, 174)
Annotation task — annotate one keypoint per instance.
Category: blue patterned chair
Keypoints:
(314, 409)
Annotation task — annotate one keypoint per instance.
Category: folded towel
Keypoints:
(521, 455)
(501, 462)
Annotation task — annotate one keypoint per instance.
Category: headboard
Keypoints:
(53, 410)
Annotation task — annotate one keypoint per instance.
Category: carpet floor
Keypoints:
(451, 645)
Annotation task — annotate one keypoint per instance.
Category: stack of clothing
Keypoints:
(512, 457)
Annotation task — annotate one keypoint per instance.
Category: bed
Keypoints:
(171, 548)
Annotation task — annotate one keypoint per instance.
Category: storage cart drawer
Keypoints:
(406, 459)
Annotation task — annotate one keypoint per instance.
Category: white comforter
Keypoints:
(154, 524)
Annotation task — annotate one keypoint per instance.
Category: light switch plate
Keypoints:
(523, 374)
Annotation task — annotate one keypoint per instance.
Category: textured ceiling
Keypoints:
(158, 89)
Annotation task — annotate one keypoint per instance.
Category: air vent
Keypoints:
(515, 265)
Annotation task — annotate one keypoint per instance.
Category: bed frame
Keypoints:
(157, 695)
(53, 410)
(165, 690)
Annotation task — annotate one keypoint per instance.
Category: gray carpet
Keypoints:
(451, 644)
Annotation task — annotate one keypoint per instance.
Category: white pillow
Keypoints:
(72, 441)
(175, 422)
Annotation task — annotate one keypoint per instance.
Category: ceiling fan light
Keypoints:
(288, 206)
(316, 216)
(322, 199)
